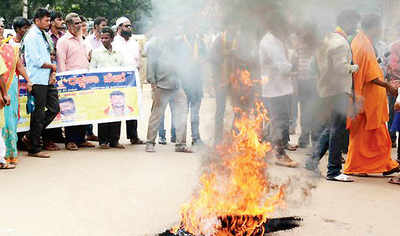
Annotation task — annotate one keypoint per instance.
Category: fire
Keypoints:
(235, 197)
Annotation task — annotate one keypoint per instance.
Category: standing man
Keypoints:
(334, 88)
(72, 55)
(37, 57)
(54, 135)
(84, 27)
(93, 40)
(103, 57)
(277, 87)
(370, 144)
(163, 75)
(130, 51)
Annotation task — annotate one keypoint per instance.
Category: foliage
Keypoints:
(111, 9)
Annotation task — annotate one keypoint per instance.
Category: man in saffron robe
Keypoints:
(370, 144)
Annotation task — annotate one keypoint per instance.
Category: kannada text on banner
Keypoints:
(90, 97)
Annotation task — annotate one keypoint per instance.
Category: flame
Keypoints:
(235, 197)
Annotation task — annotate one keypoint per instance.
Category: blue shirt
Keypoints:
(37, 53)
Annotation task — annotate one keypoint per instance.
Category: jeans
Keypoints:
(333, 135)
(278, 108)
(161, 131)
(392, 101)
(46, 96)
(194, 104)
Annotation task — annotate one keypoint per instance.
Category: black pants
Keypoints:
(131, 129)
(46, 96)
(109, 133)
(53, 135)
(279, 108)
(75, 134)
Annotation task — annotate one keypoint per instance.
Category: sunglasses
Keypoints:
(127, 26)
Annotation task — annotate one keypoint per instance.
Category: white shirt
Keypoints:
(92, 42)
(129, 49)
(275, 67)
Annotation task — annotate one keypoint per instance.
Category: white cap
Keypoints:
(121, 20)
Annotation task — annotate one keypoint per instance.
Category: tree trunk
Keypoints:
(25, 9)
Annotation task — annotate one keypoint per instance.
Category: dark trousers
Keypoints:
(392, 101)
(279, 110)
(333, 135)
(75, 134)
(46, 96)
(131, 129)
(89, 130)
(109, 133)
(308, 100)
(53, 135)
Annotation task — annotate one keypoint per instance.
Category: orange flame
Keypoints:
(235, 197)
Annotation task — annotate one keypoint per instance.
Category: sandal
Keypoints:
(12, 161)
(6, 166)
(395, 180)
(71, 146)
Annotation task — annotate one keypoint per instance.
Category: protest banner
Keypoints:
(90, 97)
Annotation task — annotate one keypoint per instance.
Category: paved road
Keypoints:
(130, 192)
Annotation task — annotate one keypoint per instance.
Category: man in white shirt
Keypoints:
(129, 48)
(93, 40)
(277, 88)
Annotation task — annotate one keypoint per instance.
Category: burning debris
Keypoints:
(235, 196)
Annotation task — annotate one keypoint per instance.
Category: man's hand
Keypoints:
(392, 90)
(53, 67)
(29, 87)
(52, 79)
(7, 100)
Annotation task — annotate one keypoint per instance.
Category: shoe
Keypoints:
(392, 171)
(173, 139)
(104, 146)
(340, 178)
(197, 142)
(51, 146)
(39, 155)
(7, 166)
(86, 145)
(183, 148)
(136, 141)
(118, 146)
(150, 147)
(71, 146)
(162, 140)
(291, 147)
(92, 138)
(284, 160)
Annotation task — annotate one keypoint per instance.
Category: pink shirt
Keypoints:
(71, 53)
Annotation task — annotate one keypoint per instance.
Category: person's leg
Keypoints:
(38, 117)
(195, 104)
(103, 131)
(398, 150)
(115, 133)
(160, 102)
(284, 118)
(392, 101)
(173, 129)
(52, 105)
(337, 135)
(162, 132)
(221, 93)
(179, 106)
(129, 129)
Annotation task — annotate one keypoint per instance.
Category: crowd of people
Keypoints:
(343, 86)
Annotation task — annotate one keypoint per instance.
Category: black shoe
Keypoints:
(162, 140)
